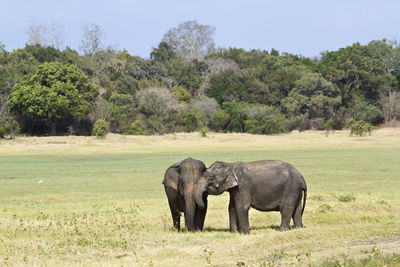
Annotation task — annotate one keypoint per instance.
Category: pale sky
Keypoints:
(303, 27)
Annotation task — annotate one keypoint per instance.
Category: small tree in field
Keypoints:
(101, 128)
(360, 128)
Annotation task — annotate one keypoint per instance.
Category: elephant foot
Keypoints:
(284, 228)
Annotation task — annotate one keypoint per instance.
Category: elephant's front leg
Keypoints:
(174, 206)
(242, 205)
(233, 222)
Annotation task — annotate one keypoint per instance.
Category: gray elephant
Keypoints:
(179, 182)
(266, 185)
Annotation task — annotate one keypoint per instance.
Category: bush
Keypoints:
(8, 126)
(347, 198)
(100, 128)
(262, 119)
(300, 123)
(203, 131)
(359, 128)
(181, 93)
(136, 128)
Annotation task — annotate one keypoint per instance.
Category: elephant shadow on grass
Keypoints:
(256, 228)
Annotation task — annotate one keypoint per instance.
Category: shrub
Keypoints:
(136, 128)
(8, 126)
(181, 93)
(262, 119)
(300, 123)
(203, 131)
(347, 198)
(100, 128)
(359, 128)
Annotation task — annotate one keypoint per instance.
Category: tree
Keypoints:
(41, 34)
(92, 38)
(163, 52)
(8, 126)
(37, 34)
(159, 107)
(54, 94)
(56, 35)
(390, 106)
(13, 67)
(188, 74)
(101, 128)
(262, 119)
(312, 98)
(191, 40)
(43, 53)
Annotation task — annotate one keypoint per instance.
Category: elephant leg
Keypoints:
(242, 205)
(287, 212)
(243, 218)
(176, 216)
(173, 200)
(297, 216)
(200, 216)
(233, 220)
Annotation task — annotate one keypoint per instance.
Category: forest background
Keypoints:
(188, 84)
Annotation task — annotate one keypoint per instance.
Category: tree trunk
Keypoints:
(53, 127)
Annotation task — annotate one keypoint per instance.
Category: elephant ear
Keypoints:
(231, 181)
(171, 176)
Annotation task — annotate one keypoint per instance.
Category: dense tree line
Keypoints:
(189, 87)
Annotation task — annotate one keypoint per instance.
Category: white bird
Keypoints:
(40, 181)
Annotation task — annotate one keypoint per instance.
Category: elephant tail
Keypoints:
(304, 196)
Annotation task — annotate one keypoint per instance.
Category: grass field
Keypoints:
(101, 202)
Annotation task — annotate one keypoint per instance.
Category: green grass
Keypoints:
(101, 202)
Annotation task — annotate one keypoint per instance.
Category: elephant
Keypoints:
(266, 185)
(179, 182)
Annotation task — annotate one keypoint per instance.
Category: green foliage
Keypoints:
(313, 96)
(375, 257)
(361, 109)
(55, 93)
(181, 93)
(100, 128)
(221, 120)
(43, 53)
(193, 119)
(207, 255)
(230, 86)
(8, 126)
(359, 128)
(122, 110)
(135, 128)
(263, 120)
(203, 131)
(163, 52)
(300, 122)
(347, 198)
(237, 116)
(188, 74)
(227, 91)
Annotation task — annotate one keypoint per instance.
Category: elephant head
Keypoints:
(182, 178)
(218, 178)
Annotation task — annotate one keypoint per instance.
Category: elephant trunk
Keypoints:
(201, 188)
(190, 207)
